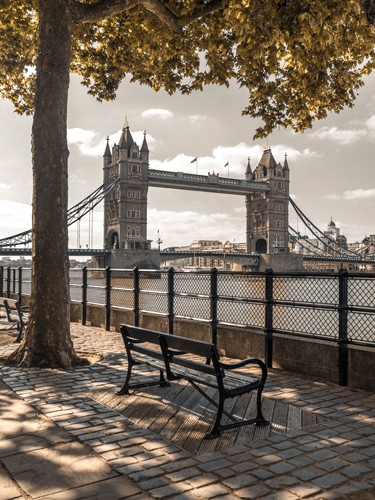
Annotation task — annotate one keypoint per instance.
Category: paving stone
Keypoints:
(215, 465)
(169, 490)
(256, 491)
(305, 490)
(308, 473)
(38, 476)
(211, 491)
(329, 480)
(8, 490)
(183, 474)
(240, 481)
(353, 471)
(281, 468)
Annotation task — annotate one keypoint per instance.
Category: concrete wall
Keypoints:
(317, 359)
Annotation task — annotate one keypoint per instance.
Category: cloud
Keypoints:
(353, 195)
(236, 157)
(14, 218)
(341, 136)
(333, 197)
(198, 119)
(360, 194)
(91, 143)
(160, 113)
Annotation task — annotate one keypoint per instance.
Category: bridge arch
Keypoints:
(112, 240)
(261, 246)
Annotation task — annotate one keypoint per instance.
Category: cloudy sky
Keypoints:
(331, 165)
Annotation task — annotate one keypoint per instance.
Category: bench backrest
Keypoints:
(175, 346)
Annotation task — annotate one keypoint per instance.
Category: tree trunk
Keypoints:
(47, 341)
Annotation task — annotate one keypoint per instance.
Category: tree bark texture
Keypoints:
(47, 341)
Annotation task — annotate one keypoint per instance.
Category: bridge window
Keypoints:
(279, 223)
(135, 169)
(134, 214)
(134, 193)
(279, 185)
(133, 231)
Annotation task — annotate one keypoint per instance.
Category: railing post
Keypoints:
(14, 280)
(213, 305)
(136, 297)
(8, 280)
(170, 300)
(1, 281)
(107, 298)
(343, 327)
(84, 296)
(20, 285)
(268, 326)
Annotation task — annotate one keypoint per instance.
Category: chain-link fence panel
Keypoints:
(75, 278)
(241, 313)
(193, 283)
(241, 286)
(192, 307)
(26, 281)
(153, 302)
(308, 321)
(96, 286)
(361, 292)
(316, 289)
(153, 281)
(122, 288)
(361, 327)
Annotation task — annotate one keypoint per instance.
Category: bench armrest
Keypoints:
(245, 362)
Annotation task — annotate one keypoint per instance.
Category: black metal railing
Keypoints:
(336, 307)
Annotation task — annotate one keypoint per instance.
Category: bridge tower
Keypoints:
(267, 216)
(125, 208)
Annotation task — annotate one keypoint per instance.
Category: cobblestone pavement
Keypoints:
(92, 451)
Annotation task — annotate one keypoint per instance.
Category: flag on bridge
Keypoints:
(227, 163)
(193, 161)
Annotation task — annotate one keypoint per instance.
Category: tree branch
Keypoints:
(209, 8)
(103, 9)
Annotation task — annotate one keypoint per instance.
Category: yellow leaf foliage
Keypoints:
(299, 59)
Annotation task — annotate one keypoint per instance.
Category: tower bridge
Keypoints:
(266, 193)
(126, 180)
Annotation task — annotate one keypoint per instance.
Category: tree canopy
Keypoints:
(299, 59)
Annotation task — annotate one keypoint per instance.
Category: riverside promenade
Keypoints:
(65, 435)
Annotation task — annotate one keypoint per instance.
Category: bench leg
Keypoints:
(215, 431)
(260, 420)
(20, 333)
(124, 388)
(163, 381)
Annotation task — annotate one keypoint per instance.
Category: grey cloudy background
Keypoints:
(332, 166)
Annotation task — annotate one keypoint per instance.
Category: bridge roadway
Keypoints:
(97, 252)
(251, 259)
(209, 183)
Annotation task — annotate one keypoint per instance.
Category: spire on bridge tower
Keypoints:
(126, 139)
(286, 166)
(249, 173)
(107, 151)
(144, 148)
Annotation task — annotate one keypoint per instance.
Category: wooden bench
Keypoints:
(13, 315)
(198, 363)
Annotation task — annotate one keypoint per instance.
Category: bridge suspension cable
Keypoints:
(74, 214)
(324, 238)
